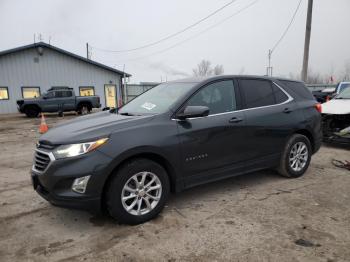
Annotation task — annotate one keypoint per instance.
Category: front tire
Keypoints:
(31, 111)
(138, 191)
(296, 157)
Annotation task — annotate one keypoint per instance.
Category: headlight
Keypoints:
(77, 149)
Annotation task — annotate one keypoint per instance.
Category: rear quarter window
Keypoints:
(280, 96)
(299, 89)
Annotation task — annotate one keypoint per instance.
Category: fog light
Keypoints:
(79, 184)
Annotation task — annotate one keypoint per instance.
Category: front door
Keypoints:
(49, 103)
(214, 144)
(110, 96)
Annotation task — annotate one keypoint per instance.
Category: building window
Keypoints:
(87, 91)
(30, 92)
(4, 93)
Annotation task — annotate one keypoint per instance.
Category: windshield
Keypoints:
(343, 87)
(156, 100)
(344, 95)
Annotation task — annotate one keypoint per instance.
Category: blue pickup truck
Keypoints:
(59, 100)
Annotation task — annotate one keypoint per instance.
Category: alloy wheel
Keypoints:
(141, 193)
(298, 156)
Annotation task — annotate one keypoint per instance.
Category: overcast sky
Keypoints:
(240, 44)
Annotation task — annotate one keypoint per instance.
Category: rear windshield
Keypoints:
(298, 88)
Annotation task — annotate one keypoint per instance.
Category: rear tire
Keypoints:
(296, 157)
(132, 202)
(31, 111)
(84, 109)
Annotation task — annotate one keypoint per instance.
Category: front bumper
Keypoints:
(55, 183)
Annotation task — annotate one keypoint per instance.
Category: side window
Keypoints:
(219, 97)
(50, 95)
(63, 93)
(257, 92)
(343, 87)
(279, 95)
(298, 88)
(67, 93)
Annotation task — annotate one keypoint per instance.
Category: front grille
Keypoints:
(41, 160)
(45, 146)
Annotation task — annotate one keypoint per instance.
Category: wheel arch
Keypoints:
(25, 106)
(84, 102)
(309, 135)
(158, 158)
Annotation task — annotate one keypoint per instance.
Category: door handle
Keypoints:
(235, 120)
(287, 110)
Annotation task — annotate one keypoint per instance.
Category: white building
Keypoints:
(29, 71)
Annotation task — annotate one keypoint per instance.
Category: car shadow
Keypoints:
(198, 193)
(232, 184)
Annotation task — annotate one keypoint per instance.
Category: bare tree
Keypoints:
(314, 77)
(204, 68)
(218, 70)
(346, 73)
(241, 71)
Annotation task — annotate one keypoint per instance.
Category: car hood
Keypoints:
(90, 128)
(336, 107)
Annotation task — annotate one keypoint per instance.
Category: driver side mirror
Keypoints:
(193, 111)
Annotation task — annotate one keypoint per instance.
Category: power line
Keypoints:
(269, 67)
(169, 36)
(287, 29)
(196, 35)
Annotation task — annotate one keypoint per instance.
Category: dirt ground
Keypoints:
(256, 217)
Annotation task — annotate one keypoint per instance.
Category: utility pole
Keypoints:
(87, 50)
(307, 41)
(269, 68)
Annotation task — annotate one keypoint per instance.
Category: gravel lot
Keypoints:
(256, 217)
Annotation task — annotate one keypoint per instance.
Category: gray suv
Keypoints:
(175, 136)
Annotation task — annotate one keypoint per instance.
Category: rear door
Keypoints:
(270, 119)
(65, 100)
(213, 144)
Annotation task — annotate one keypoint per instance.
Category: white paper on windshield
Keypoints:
(148, 106)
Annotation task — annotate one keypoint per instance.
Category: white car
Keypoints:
(336, 118)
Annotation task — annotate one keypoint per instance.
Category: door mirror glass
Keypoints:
(193, 111)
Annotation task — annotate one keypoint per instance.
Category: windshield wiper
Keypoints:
(113, 110)
(126, 114)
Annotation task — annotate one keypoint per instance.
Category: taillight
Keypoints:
(328, 98)
(318, 107)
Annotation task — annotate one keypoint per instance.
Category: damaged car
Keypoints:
(336, 118)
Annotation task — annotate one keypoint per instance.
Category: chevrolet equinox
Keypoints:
(177, 135)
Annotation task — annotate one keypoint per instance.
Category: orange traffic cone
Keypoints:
(43, 128)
